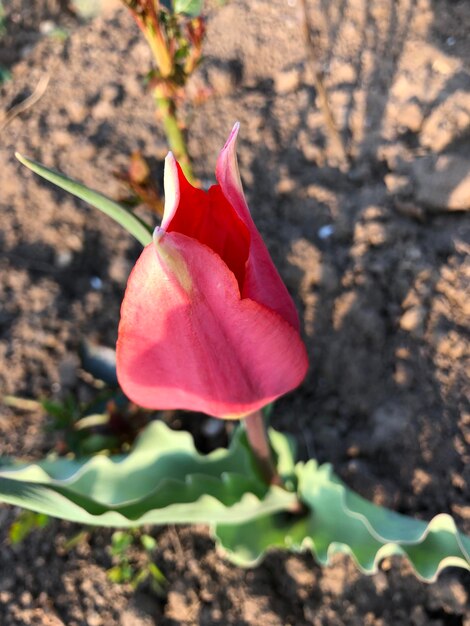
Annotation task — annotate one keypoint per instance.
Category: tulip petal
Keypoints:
(207, 217)
(187, 340)
(172, 189)
(262, 280)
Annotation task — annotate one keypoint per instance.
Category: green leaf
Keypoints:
(77, 539)
(87, 9)
(133, 224)
(119, 574)
(338, 520)
(121, 541)
(3, 26)
(156, 573)
(162, 480)
(95, 443)
(148, 542)
(138, 578)
(284, 448)
(5, 74)
(26, 522)
(193, 8)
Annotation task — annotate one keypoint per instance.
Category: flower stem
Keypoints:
(258, 440)
(163, 42)
(167, 109)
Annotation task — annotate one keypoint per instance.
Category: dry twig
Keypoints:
(334, 135)
(6, 117)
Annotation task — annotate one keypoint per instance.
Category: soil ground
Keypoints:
(375, 253)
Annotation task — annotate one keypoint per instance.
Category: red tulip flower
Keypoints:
(206, 322)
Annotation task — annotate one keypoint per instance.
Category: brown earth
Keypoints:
(376, 255)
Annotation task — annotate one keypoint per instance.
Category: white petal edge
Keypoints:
(172, 190)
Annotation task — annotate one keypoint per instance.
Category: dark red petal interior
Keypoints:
(209, 218)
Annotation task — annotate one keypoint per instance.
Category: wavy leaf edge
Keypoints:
(32, 486)
(286, 534)
(237, 498)
(428, 527)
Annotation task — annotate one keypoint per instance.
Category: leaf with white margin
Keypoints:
(164, 479)
(338, 520)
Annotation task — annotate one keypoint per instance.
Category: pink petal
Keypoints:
(187, 340)
(262, 281)
(207, 217)
(172, 189)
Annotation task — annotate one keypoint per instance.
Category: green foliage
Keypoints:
(87, 9)
(79, 538)
(193, 8)
(83, 429)
(131, 570)
(25, 523)
(165, 480)
(63, 416)
(3, 20)
(5, 74)
(162, 480)
(59, 34)
(133, 224)
(338, 520)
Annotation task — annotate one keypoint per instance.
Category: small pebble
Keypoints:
(413, 319)
(287, 81)
(47, 27)
(326, 231)
(213, 427)
(63, 258)
(96, 283)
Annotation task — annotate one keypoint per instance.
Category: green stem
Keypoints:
(259, 443)
(167, 109)
(258, 440)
